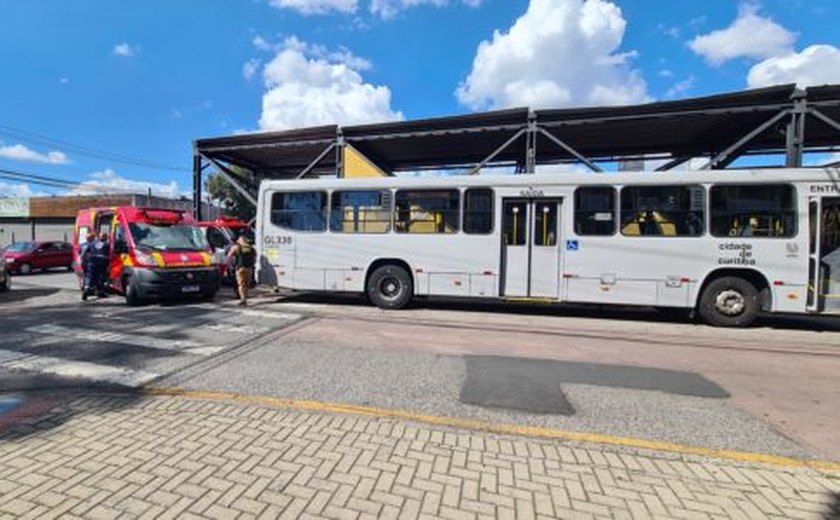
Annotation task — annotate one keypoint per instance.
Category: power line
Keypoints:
(79, 149)
(31, 177)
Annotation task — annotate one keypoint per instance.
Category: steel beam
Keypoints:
(726, 155)
(496, 152)
(592, 166)
(824, 118)
(674, 163)
(315, 162)
(230, 177)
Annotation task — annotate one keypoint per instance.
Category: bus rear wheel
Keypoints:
(390, 287)
(729, 301)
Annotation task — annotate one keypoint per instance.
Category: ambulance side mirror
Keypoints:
(120, 247)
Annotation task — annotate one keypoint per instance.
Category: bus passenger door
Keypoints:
(531, 252)
(824, 255)
(515, 247)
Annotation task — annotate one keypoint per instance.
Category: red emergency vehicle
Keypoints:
(155, 253)
(221, 235)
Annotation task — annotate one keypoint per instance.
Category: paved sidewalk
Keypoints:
(170, 456)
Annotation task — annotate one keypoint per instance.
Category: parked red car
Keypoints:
(26, 257)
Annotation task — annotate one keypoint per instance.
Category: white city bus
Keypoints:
(729, 244)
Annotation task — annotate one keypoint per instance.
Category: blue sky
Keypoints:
(91, 85)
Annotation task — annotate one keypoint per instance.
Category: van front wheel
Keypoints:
(729, 301)
(390, 287)
(132, 292)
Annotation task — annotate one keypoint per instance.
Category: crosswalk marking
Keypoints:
(79, 369)
(258, 313)
(179, 345)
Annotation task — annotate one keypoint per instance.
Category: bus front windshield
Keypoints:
(168, 238)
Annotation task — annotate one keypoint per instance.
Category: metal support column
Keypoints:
(339, 153)
(795, 131)
(531, 143)
(197, 168)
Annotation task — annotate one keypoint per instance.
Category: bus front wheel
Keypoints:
(729, 301)
(390, 287)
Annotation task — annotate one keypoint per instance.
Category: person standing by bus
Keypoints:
(95, 259)
(244, 257)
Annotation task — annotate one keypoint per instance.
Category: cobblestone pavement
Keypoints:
(111, 456)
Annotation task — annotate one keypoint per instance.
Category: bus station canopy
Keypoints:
(700, 127)
(775, 121)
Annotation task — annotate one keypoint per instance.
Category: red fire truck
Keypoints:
(155, 253)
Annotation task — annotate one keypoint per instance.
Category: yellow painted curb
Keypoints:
(500, 428)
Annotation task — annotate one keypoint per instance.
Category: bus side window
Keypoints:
(300, 211)
(663, 211)
(595, 211)
(360, 211)
(427, 211)
(478, 211)
(755, 210)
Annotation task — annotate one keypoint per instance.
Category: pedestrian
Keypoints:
(86, 259)
(96, 258)
(244, 257)
(103, 258)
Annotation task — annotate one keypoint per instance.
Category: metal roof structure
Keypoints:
(778, 121)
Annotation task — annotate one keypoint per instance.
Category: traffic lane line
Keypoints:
(498, 428)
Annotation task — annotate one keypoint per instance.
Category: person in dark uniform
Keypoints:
(95, 258)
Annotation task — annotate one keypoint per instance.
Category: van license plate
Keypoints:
(190, 288)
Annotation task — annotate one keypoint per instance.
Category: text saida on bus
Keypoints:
(729, 244)
(155, 253)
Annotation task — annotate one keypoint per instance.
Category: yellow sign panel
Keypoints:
(357, 165)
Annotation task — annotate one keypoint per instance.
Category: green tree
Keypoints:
(233, 203)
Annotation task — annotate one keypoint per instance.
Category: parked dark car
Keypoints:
(26, 257)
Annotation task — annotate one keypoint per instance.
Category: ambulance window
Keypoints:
(105, 224)
(216, 238)
(83, 233)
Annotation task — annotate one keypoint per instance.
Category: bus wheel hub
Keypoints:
(730, 302)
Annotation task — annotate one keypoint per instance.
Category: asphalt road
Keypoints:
(772, 389)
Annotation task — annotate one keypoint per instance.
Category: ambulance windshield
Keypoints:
(168, 238)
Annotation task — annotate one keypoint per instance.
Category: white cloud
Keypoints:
(681, 87)
(749, 36)
(816, 65)
(308, 7)
(250, 68)
(307, 86)
(108, 181)
(19, 152)
(125, 50)
(19, 190)
(390, 8)
(560, 52)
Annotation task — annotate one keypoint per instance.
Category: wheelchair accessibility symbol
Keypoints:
(572, 245)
